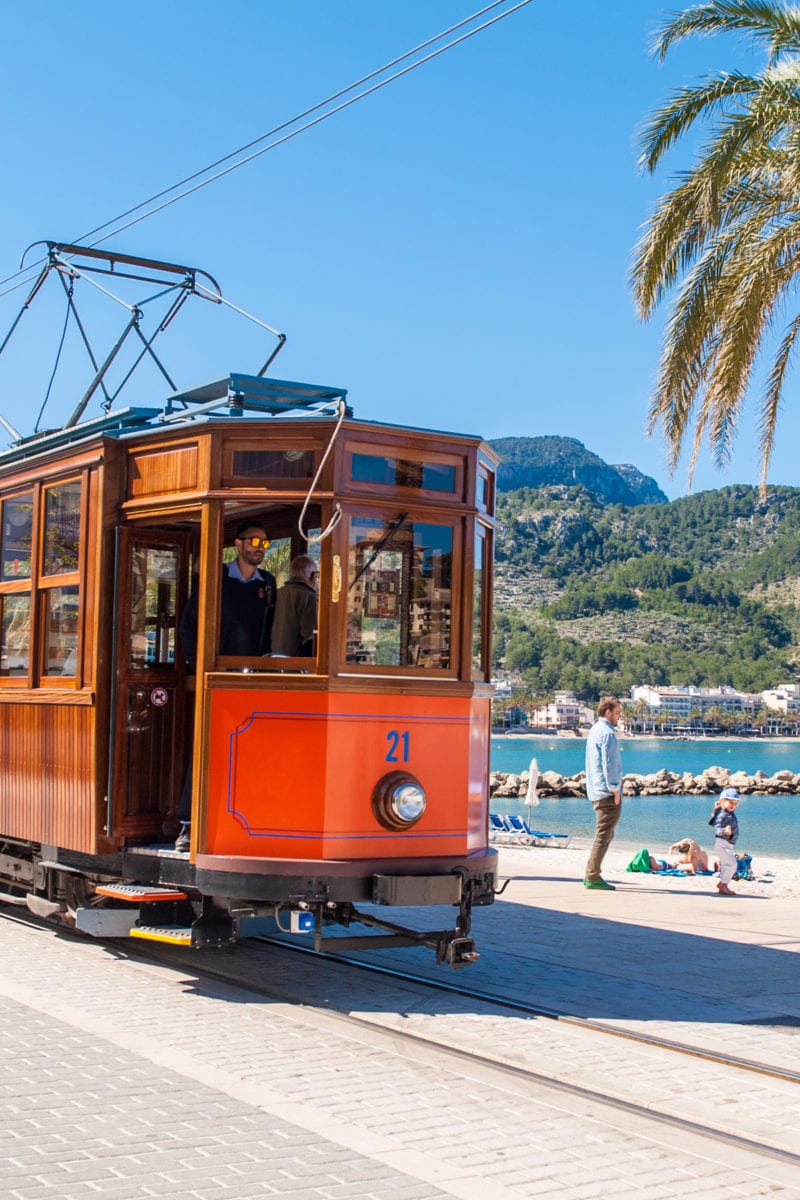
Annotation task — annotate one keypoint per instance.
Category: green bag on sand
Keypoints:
(640, 861)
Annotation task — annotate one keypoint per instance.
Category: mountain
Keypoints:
(563, 461)
(595, 596)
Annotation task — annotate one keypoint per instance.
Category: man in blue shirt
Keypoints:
(248, 600)
(603, 786)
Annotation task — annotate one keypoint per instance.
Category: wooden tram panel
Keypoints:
(304, 791)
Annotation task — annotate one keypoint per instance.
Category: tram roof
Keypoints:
(255, 393)
(236, 396)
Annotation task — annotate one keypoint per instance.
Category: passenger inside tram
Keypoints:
(296, 610)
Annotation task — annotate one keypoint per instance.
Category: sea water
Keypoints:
(767, 824)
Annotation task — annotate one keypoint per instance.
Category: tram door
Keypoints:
(149, 705)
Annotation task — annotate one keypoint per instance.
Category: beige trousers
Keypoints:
(607, 814)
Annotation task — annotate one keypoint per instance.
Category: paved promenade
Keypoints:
(130, 1080)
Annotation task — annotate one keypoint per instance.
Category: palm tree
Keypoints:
(727, 236)
(642, 711)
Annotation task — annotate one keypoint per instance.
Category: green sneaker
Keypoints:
(600, 884)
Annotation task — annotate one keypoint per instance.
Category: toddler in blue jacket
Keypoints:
(726, 831)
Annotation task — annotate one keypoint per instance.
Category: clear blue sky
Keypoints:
(453, 250)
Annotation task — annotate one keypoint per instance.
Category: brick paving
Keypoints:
(124, 1079)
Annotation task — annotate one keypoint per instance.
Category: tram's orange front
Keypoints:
(292, 775)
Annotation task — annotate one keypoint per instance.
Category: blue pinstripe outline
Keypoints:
(326, 716)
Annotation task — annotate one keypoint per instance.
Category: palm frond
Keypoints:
(773, 395)
(776, 24)
(686, 106)
(689, 347)
(725, 240)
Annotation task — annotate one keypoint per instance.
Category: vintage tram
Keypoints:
(325, 790)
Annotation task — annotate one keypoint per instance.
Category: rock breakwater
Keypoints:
(662, 783)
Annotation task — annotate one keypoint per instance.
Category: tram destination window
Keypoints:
(277, 462)
(403, 472)
(399, 593)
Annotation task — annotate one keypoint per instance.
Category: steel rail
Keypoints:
(152, 952)
(539, 1010)
(726, 1137)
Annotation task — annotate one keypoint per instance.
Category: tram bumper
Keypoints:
(397, 883)
(416, 889)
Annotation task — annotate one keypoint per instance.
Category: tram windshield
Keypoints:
(399, 592)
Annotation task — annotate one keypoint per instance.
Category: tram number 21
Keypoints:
(398, 746)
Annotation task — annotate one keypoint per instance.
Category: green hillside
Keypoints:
(596, 597)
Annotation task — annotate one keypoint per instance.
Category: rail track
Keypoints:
(537, 1010)
(252, 967)
(244, 970)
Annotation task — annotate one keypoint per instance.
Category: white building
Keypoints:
(784, 698)
(563, 712)
(681, 702)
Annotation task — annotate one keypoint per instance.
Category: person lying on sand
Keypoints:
(693, 858)
(688, 858)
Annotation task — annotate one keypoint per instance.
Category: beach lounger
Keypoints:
(505, 833)
(496, 827)
(538, 837)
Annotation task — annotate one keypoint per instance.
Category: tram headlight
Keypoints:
(398, 800)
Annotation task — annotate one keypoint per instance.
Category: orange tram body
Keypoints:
(301, 769)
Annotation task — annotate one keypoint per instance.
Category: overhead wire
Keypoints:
(317, 121)
(293, 120)
(286, 125)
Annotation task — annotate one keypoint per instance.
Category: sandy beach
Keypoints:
(774, 877)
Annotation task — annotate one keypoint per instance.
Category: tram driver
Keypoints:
(248, 610)
(248, 600)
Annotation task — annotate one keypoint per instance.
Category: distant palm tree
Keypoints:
(727, 236)
(642, 710)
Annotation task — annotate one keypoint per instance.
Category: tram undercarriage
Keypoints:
(161, 896)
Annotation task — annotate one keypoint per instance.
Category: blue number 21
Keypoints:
(394, 739)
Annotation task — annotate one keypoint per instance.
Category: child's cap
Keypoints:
(730, 794)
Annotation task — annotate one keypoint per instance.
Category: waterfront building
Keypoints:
(562, 712)
(682, 709)
(785, 697)
(686, 709)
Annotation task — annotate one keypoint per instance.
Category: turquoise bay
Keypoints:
(769, 824)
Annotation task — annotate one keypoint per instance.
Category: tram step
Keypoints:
(175, 935)
(139, 893)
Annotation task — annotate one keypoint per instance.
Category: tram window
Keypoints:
(154, 595)
(399, 593)
(15, 633)
(485, 491)
(61, 528)
(403, 472)
(17, 537)
(478, 605)
(277, 462)
(60, 630)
